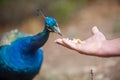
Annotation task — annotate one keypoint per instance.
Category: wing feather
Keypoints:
(8, 37)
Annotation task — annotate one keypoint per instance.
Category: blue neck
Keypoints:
(39, 39)
(31, 44)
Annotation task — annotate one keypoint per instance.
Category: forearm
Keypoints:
(110, 48)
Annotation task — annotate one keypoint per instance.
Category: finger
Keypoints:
(70, 44)
(60, 42)
(95, 30)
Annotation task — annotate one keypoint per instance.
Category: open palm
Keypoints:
(90, 46)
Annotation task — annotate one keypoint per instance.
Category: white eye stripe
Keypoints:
(49, 29)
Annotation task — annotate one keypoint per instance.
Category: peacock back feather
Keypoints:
(11, 36)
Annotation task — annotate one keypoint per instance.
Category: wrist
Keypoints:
(103, 50)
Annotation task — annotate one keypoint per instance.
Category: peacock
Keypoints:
(20, 54)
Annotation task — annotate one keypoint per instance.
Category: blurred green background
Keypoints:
(76, 18)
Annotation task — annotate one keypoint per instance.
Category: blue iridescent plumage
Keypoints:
(22, 58)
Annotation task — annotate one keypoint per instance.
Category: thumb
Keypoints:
(95, 30)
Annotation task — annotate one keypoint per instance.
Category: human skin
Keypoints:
(96, 45)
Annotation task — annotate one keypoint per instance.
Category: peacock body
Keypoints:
(20, 54)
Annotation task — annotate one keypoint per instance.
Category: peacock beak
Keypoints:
(57, 30)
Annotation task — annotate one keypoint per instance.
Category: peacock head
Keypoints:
(52, 25)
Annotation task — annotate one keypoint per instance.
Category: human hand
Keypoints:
(91, 46)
